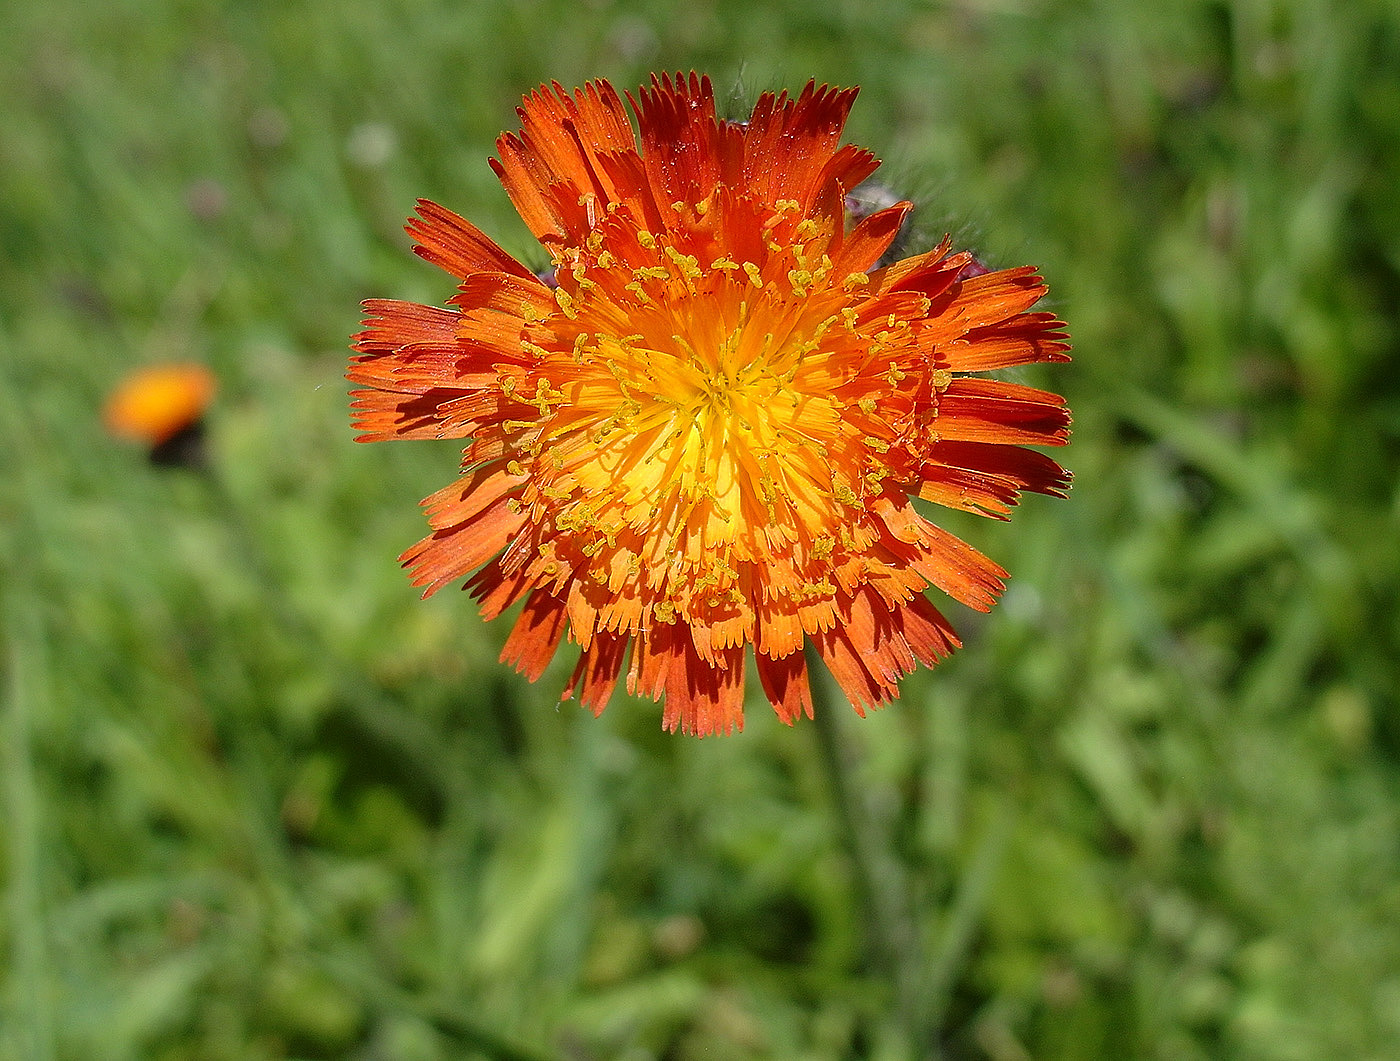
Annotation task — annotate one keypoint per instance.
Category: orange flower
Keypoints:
(707, 435)
(155, 404)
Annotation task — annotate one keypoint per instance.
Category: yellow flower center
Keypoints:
(687, 415)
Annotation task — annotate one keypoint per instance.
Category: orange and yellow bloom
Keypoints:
(158, 404)
(706, 432)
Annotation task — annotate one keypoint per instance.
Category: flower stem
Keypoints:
(882, 888)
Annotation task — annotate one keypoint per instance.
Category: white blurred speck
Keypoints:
(370, 144)
(1023, 603)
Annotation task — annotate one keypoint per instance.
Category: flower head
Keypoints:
(160, 406)
(707, 435)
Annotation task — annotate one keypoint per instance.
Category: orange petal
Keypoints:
(977, 410)
(788, 142)
(455, 551)
(870, 239)
(555, 159)
(860, 687)
(453, 243)
(785, 683)
(495, 590)
(929, 635)
(464, 500)
(958, 569)
(680, 137)
(413, 367)
(1027, 338)
(988, 479)
(491, 296)
(536, 635)
(700, 699)
(391, 324)
(982, 300)
(597, 671)
(847, 168)
(877, 643)
(780, 630)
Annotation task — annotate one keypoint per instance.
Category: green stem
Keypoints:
(892, 937)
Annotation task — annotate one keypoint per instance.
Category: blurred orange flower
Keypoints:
(153, 405)
(707, 435)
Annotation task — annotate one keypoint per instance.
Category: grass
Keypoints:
(262, 802)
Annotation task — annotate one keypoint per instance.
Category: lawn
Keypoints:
(261, 801)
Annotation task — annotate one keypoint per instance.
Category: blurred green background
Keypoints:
(260, 801)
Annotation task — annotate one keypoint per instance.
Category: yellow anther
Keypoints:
(688, 264)
(753, 274)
